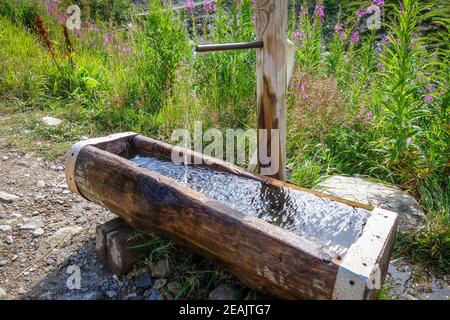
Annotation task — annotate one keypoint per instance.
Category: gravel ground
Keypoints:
(37, 248)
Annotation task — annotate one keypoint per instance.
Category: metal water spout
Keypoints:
(229, 46)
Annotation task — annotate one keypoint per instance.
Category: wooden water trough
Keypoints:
(262, 255)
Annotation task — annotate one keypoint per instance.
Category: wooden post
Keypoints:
(271, 28)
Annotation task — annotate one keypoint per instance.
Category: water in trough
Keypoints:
(332, 224)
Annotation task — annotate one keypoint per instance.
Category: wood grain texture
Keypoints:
(265, 257)
(119, 246)
(271, 66)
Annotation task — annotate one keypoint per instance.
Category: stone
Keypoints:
(32, 224)
(7, 198)
(40, 184)
(51, 122)
(388, 197)
(3, 263)
(55, 167)
(46, 296)
(38, 232)
(63, 233)
(111, 294)
(57, 190)
(2, 293)
(9, 240)
(159, 283)
(143, 281)
(162, 269)
(174, 287)
(224, 292)
(407, 296)
(5, 228)
(21, 290)
(155, 295)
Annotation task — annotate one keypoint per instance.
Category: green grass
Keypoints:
(197, 276)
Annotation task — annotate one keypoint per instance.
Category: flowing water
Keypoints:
(187, 103)
(332, 224)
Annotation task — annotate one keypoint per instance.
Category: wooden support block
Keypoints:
(115, 246)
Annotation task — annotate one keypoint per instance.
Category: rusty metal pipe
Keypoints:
(229, 46)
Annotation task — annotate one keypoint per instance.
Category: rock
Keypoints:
(32, 224)
(63, 233)
(378, 194)
(40, 184)
(5, 158)
(57, 190)
(5, 228)
(114, 287)
(3, 263)
(143, 281)
(45, 296)
(162, 269)
(38, 232)
(111, 294)
(155, 295)
(407, 296)
(224, 292)
(51, 122)
(168, 295)
(7, 198)
(9, 240)
(21, 290)
(174, 287)
(160, 283)
(57, 167)
(2, 293)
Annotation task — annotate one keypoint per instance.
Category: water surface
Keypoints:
(332, 224)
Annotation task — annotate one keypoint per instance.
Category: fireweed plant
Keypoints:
(361, 102)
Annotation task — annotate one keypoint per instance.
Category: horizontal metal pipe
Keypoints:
(229, 46)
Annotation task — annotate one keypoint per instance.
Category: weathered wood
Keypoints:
(118, 246)
(271, 66)
(277, 261)
(263, 256)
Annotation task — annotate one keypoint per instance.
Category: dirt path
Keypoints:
(45, 231)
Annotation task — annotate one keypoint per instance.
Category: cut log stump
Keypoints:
(118, 246)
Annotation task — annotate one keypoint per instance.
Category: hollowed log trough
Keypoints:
(263, 256)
